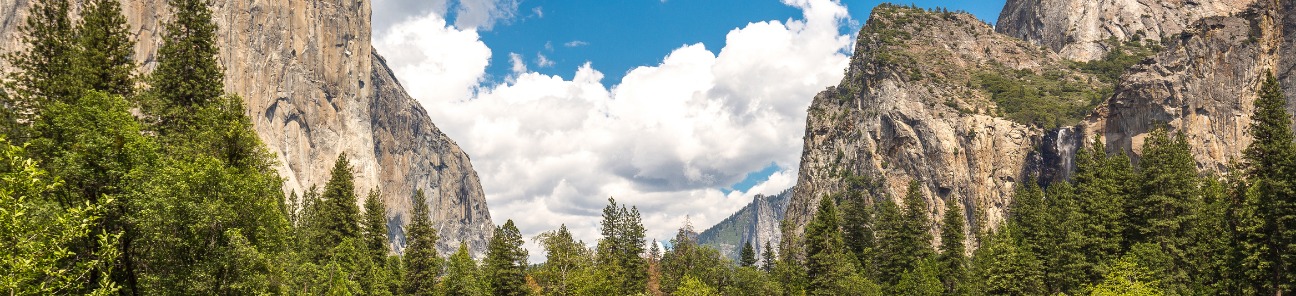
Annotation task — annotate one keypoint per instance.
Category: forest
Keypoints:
(113, 182)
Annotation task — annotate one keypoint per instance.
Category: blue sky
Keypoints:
(618, 35)
(683, 108)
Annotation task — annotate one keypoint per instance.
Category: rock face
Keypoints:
(1204, 84)
(315, 88)
(909, 109)
(1078, 29)
(757, 223)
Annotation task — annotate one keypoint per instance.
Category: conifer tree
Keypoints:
(1003, 267)
(1100, 187)
(1061, 249)
(187, 74)
(891, 257)
(375, 226)
(340, 218)
(952, 260)
(748, 256)
(767, 258)
(827, 262)
(422, 264)
(621, 248)
(506, 261)
(1167, 194)
(1028, 216)
(1269, 215)
(107, 62)
(857, 226)
(462, 276)
(46, 71)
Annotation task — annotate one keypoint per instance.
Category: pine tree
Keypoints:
(1061, 250)
(1028, 216)
(422, 264)
(107, 62)
(621, 248)
(187, 74)
(506, 261)
(1101, 193)
(1003, 267)
(952, 260)
(375, 226)
(891, 255)
(46, 71)
(767, 258)
(1165, 204)
(1269, 214)
(857, 225)
(748, 256)
(827, 262)
(462, 276)
(340, 218)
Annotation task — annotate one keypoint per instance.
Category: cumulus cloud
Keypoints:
(576, 43)
(543, 61)
(551, 150)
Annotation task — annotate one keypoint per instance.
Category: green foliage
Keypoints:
(1001, 267)
(462, 276)
(767, 258)
(187, 74)
(903, 239)
(952, 260)
(1102, 186)
(1268, 216)
(506, 261)
(748, 256)
(374, 226)
(829, 266)
(422, 264)
(1120, 58)
(1127, 278)
(621, 248)
(107, 62)
(1046, 100)
(46, 71)
(691, 286)
(565, 260)
(686, 258)
(922, 281)
(39, 234)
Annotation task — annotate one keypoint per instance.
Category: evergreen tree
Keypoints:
(748, 256)
(790, 269)
(187, 74)
(903, 239)
(1002, 267)
(1269, 212)
(107, 50)
(767, 258)
(46, 71)
(827, 262)
(857, 224)
(1101, 193)
(1028, 215)
(375, 226)
(1066, 265)
(462, 276)
(506, 261)
(339, 217)
(923, 280)
(422, 264)
(621, 248)
(952, 260)
(1165, 205)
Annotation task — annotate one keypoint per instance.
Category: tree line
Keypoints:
(120, 183)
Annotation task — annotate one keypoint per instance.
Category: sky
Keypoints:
(685, 109)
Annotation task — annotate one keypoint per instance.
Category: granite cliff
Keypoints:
(925, 99)
(315, 88)
(757, 223)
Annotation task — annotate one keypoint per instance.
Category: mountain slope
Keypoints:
(935, 97)
(758, 223)
(314, 89)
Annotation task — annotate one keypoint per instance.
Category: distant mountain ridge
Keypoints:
(758, 223)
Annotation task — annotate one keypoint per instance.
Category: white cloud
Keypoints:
(538, 12)
(543, 61)
(575, 43)
(551, 150)
(518, 65)
(473, 14)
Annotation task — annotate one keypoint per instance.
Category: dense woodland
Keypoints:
(117, 183)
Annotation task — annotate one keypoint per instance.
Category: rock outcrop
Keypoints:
(315, 88)
(757, 223)
(1204, 84)
(913, 107)
(1079, 29)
